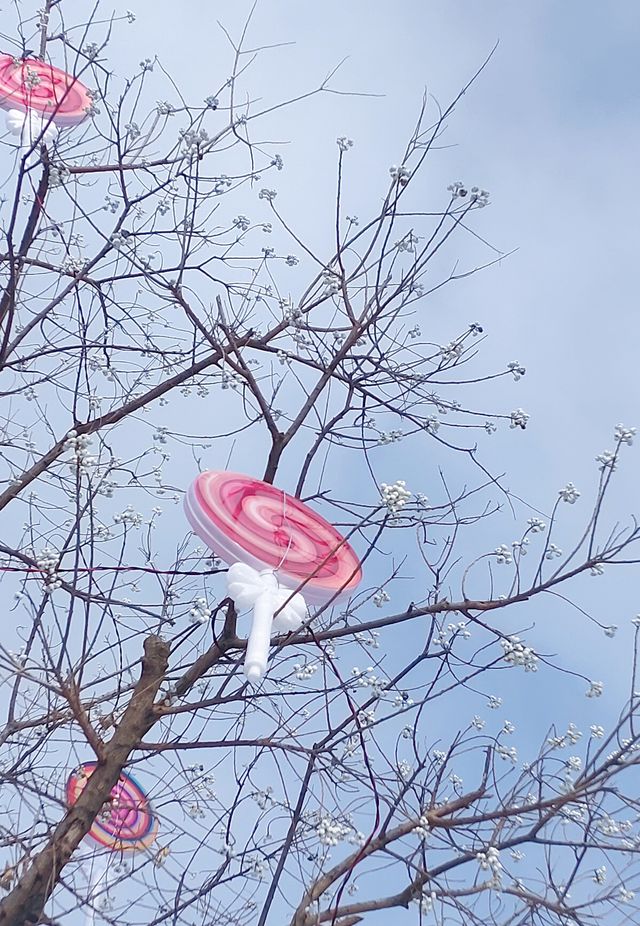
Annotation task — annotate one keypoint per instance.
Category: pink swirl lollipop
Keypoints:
(127, 823)
(31, 85)
(253, 525)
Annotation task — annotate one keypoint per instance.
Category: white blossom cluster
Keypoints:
(607, 460)
(192, 140)
(47, 561)
(425, 902)
(516, 370)
(503, 555)
(390, 437)
(200, 613)
(517, 654)
(164, 108)
(571, 736)
(395, 496)
(490, 861)
(79, 445)
(331, 282)
(403, 701)
(422, 826)
(263, 798)
(624, 435)
(302, 672)
(478, 196)
(409, 243)
(507, 752)
(366, 678)
(519, 419)
(610, 827)
(73, 265)
(330, 832)
(58, 175)
(129, 516)
(371, 639)
(521, 546)
(344, 143)
(230, 380)
(595, 690)
(160, 434)
(400, 175)
(405, 769)
(380, 598)
(451, 351)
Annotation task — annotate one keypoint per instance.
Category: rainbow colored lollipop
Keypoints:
(127, 822)
(40, 97)
(264, 534)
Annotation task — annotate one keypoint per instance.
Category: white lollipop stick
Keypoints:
(255, 661)
(99, 874)
(262, 592)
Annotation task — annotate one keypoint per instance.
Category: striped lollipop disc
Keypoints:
(245, 520)
(126, 822)
(32, 85)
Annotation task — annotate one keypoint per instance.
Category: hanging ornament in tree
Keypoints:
(40, 98)
(281, 554)
(125, 824)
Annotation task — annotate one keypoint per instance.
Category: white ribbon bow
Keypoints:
(30, 126)
(262, 592)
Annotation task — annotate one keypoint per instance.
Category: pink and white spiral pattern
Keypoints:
(244, 519)
(127, 823)
(38, 86)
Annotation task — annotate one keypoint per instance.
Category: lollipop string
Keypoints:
(284, 521)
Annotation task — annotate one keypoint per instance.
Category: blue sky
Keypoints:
(550, 128)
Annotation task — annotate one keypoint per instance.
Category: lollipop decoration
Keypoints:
(40, 98)
(126, 823)
(265, 534)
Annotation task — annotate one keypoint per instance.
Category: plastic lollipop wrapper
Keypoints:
(282, 554)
